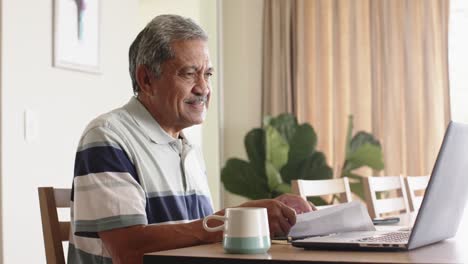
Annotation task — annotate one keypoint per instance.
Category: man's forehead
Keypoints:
(188, 65)
(192, 59)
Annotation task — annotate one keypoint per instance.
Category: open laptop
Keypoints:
(440, 212)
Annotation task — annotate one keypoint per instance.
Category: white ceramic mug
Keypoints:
(245, 229)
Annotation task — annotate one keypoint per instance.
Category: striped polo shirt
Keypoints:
(129, 171)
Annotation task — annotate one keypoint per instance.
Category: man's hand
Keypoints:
(296, 202)
(280, 216)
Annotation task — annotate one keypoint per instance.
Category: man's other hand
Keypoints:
(280, 216)
(296, 202)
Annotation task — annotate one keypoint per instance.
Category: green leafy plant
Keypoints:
(283, 150)
(362, 150)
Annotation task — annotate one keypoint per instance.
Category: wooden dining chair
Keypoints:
(308, 188)
(377, 207)
(416, 186)
(54, 231)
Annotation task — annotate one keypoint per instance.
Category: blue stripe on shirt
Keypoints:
(175, 208)
(103, 159)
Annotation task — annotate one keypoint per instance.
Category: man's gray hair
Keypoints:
(152, 46)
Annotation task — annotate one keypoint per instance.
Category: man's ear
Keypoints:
(144, 77)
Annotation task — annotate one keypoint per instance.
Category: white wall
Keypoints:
(209, 18)
(1, 126)
(64, 102)
(458, 72)
(458, 56)
(242, 72)
(203, 12)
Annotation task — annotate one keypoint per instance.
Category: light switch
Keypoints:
(30, 126)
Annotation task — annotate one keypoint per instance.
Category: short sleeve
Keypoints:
(106, 189)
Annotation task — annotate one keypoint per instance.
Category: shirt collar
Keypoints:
(148, 124)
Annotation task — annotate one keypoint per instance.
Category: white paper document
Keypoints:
(345, 217)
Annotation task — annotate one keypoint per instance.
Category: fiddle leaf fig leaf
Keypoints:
(302, 144)
(239, 177)
(365, 155)
(276, 148)
(362, 138)
(254, 143)
(273, 176)
(314, 167)
(285, 124)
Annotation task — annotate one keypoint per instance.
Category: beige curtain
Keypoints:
(279, 36)
(383, 61)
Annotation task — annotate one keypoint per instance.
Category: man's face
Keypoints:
(181, 95)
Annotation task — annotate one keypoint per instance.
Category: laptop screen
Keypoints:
(446, 194)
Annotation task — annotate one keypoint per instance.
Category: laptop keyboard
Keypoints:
(392, 237)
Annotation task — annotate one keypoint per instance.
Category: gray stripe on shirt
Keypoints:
(102, 184)
(77, 256)
(98, 144)
(173, 193)
(109, 223)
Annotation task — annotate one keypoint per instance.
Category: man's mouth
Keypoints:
(196, 100)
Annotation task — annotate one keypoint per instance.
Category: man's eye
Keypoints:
(208, 74)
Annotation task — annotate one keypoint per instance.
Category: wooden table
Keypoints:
(453, 250)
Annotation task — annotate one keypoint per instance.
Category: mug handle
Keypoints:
(213, 229)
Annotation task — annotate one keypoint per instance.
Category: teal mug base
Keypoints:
(246, 245)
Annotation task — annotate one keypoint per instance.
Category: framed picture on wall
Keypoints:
(76, 35)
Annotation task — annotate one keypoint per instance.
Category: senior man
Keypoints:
(139, 185)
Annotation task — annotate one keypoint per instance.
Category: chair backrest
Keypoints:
(308, 188)
(53, 230)
(416, 186)
(376, 207)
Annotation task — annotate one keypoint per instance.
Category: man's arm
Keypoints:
(127, 245)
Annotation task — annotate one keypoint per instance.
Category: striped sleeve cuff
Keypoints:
(90, 228)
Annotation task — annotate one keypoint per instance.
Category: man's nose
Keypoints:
(202, 87)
